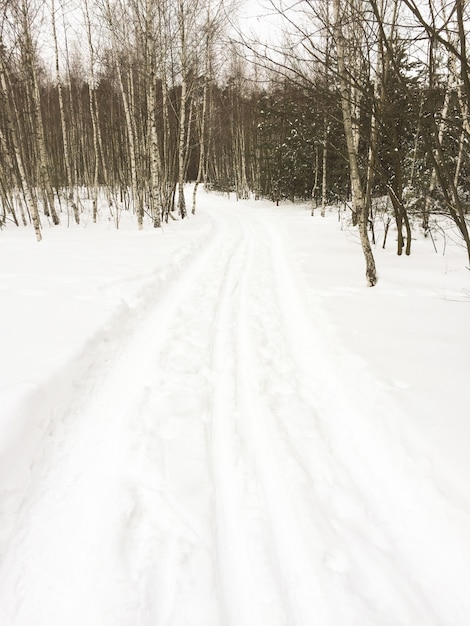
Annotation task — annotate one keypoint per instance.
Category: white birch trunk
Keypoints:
(356, 185)
(202, 133)
(137, 204)
(182, 114)
(65, 143)
(30, 66)
(9, 114)
(324, 179)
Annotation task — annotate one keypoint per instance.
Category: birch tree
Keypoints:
(115, 14)
(209, 29)
(156, 169)
(63, 123)
(351, 133)
(93, 107)
(12, 121)
(184, 17)
(30, 69)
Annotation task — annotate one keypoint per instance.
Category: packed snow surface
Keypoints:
(219, 424)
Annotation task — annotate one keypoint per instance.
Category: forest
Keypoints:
(113, 105)
(235, 291)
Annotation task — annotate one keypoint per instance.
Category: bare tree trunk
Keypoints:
(30, 67)
(181, 152)
(93, 115)
(10, 113)
(7, 181)
(167, 183)
(356, 185)
(126, 102)
(202, 143)
(168, 164)
(182, 114)
(155, 160)
(324, 179)
(187, 145)
(374, 137)
(68, 167)
(326, 125)
(315, 180)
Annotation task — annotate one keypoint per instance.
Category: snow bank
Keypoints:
(62, 300)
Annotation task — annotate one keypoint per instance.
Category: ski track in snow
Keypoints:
(219, 452)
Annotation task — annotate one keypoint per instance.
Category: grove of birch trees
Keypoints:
(114, 105)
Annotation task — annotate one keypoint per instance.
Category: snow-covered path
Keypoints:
(221, 463)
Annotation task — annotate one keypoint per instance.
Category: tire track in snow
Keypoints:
(233, 574)
(169, 492)
(295, 573)
(243, 442)
(250, 590)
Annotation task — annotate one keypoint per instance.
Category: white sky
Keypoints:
(259, 18)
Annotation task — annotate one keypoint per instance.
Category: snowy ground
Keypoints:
(221, 425)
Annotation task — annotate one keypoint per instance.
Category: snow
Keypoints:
(220, 424)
